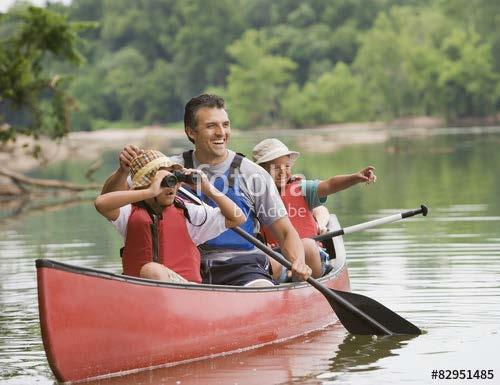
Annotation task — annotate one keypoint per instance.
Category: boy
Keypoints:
(300, 197)
(162, 232)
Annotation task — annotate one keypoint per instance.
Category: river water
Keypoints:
(441, 272)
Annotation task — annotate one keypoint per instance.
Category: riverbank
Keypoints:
(17, 156)
(82, 145)
(89, 145)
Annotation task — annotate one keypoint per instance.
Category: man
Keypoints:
(229, 259)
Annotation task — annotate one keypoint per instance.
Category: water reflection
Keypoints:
(307, 359)
(19, 208)
(439, 272)
(360, 353)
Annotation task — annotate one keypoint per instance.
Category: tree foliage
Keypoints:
(256, 82)
(284, 61)
(336, 96)
(33, 101)
(417, 62)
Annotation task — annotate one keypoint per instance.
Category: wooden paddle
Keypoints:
(358, 314)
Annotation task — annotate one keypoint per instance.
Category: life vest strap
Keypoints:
(233, 168)
(154, 229)
(188, 159)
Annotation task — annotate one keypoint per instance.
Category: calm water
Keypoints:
(441, 272)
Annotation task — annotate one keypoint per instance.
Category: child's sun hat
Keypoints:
(145, 165)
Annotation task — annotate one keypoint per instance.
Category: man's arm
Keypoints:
(118, 180)
(269, 208)
(291, 247)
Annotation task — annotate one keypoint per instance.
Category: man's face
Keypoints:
(211, 133)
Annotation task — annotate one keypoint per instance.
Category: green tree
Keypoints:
(147, 26)
(97, 99)
(32, 101)
(336, 96)
(415, 61)
(158, 92)
(200, 57)
(256, 82)
(467, 80)
(412, 57)
(399, 61)
(306, 47)
(88, 102)
(126, 69)
(483, 16)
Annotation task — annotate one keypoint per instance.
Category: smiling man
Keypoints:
(229, 259)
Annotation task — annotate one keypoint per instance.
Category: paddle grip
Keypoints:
(422, 210)
(331, 234)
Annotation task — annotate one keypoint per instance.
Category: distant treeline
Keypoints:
(291, 62)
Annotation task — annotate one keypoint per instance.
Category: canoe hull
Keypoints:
(115, 326)
(96, 323)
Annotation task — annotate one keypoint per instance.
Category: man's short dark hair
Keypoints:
(200, 101)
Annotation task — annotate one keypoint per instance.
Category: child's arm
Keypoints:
(233, 214)
(341, 182)
(109, 204)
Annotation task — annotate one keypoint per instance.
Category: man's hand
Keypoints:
(128, 153)
(291, 247)
(118, 180)
(205, 183)
(300, 270)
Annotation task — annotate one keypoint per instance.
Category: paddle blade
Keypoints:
(359, 325)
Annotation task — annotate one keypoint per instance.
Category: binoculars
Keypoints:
(178, 177)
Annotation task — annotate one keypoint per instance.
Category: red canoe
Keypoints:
(95, 323)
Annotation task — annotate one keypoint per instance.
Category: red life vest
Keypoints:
(298, 211)
(176, 249)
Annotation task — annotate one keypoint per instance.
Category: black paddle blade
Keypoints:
(355, 324)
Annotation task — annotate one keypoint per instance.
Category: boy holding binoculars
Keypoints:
(162, 232)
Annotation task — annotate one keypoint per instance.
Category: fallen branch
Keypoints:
(93, 168)
(46, 183)
(21, 207)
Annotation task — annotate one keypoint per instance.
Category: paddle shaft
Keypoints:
(323, 289)
(376, 222)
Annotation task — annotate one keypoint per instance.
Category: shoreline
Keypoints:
(82, 145)
(89, 145)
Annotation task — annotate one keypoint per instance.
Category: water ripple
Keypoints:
(442, 277)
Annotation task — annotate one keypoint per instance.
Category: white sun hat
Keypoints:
(270, 149)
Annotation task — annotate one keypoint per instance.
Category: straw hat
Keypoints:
(270, 149)
(145, 165)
